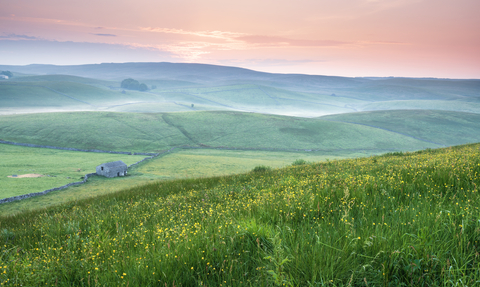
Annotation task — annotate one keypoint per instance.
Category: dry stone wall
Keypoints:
(20, 197)
(77, 149)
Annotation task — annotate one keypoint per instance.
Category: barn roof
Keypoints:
(115, 163)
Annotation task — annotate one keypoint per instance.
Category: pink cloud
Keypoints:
(274, 40)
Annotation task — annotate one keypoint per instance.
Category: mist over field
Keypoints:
(171, 87)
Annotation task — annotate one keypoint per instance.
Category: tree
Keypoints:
(131, 84)
(7, 73)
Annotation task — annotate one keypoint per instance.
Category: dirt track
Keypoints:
(26, 175)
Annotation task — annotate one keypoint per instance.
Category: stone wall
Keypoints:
(23, 196)
(76, 149)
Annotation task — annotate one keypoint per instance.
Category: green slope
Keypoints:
(36, 98)
(249, 130)
(154, 132)
(451, 105)
(444, 127)
(93, 130)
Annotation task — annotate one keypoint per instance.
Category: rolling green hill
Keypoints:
(443, 127)
(373, 132)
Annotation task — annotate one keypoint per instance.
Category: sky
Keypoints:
(354, 38)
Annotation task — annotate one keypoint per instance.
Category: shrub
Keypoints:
(132, 84)
(299, 162)
(261, 168)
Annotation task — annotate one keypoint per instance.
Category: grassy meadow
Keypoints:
(401, 219)
(58, 167)
(197, 163)
(178, 164)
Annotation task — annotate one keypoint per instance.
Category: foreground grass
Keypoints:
(398, 220)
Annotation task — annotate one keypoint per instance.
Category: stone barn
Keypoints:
(112, 169)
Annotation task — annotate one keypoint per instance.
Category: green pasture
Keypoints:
(180, 164)
(59, 167)
(196, 163)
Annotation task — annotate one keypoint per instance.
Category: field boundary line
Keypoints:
(76, 149)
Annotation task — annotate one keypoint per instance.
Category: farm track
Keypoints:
(180, 128)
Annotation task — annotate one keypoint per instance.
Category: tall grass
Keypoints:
(404, 219)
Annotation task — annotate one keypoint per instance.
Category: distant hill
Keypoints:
(118, 71)
(200, 87)
(197, 87)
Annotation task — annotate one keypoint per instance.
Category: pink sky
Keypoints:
(411, 38)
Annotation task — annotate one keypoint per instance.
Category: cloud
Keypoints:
(248, 38)
(20, 52)
(267, 62)
(18, 37)
(105, 35)
(381, 43)
(211, 34)
(275, 41)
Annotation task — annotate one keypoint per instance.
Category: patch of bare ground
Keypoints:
(26, 175)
